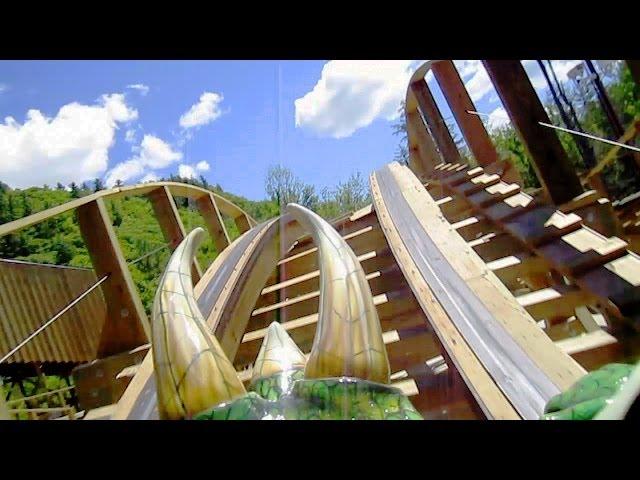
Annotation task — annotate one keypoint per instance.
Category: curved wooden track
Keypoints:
(491, 300)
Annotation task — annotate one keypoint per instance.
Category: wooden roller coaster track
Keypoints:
(491, 300)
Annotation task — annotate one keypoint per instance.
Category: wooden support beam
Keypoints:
(437, 125)
(126, 325)
(427, 156)
(554, 303)
(585, 342)
(164, 206)
(460, 102)
(521, 266)
(242, 222)
(213, 219)
(520, 100)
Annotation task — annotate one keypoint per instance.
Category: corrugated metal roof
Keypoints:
(30, 294)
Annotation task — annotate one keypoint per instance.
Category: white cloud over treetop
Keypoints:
(352, 94)
(149, 177)
(202, 166)
(71, 146)
(191, 171)
(205, 111)
(498, 118)
(186, 171)
(153, 153)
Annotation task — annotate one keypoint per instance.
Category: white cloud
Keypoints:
(202, 166)
(560, 67)
(153, 153)
(143, 89)
(475, 78)
(186, 171)
(130, 136)
(203, 112)
(124, 171)
(71, 146)
(149, 177)
(117, 108)
(498, 118)
(351, 94)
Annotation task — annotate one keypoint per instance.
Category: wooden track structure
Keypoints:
(125, 325)
(491, 300)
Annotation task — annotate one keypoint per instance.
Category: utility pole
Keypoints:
(618, 129)
(585, 149)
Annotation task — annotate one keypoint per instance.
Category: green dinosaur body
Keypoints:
(288, 396)
(589, 395)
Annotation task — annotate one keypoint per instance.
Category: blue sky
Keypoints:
(227, 120)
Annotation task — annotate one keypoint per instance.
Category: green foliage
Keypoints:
(345, 197)
(58, 240)
(399, 128)
(510, 147)
(283, 187)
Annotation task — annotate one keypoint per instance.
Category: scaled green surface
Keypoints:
(287, 396)
(589, 394)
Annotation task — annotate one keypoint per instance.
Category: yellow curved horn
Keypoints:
(278, 353)
(348, 339)
(192, 371)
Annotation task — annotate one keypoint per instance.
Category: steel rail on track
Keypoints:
(524, 384)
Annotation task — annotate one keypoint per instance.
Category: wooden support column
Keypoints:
(459, 102)
(550, 161)
(242, 222)
(126, 326)
(171, 225)
(437, 125)
(212, 218)
(419, 139)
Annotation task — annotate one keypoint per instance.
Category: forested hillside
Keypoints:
(58, 240)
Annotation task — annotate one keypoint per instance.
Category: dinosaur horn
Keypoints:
(278, 353)
(192, 371)
(348, 339)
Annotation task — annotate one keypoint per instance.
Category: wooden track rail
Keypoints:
(516, 353)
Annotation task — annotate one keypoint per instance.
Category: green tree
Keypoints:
(98, 185)
(64, 252)
(75, 191)
(26, 205)
(399, 129)
(283, 187)
(116, 216)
